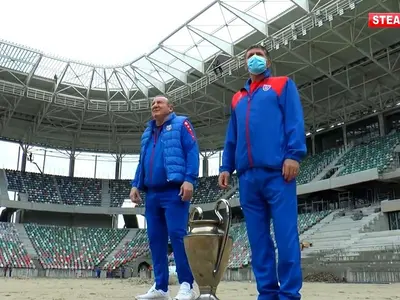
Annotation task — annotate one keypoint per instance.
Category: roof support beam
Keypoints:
(190, 61)
(303, 4)
(150, 79)
(177, 74)
(363, 52)
(257, 24)
(123, 86)
(32, 72)
(106, 85)
(132, 76)
(90, 84)
(220, 44)
(327, 74)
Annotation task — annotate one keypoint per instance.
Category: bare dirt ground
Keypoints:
(88, 289)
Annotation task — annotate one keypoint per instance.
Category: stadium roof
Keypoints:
(344, 71)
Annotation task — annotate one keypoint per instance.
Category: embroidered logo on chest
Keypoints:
(266, 87)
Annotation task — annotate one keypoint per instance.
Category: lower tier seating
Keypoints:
(12, 251)
(137, 247)
(61, 247)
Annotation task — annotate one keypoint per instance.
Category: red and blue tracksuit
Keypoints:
(265, 128)
(169, 156)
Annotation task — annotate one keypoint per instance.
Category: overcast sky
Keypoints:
(95, 31)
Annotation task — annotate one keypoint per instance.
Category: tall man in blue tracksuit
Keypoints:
(168, 170)
(265, 143)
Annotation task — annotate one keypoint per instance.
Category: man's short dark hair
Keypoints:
(255, 46)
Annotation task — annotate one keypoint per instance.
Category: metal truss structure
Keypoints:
(344, 71)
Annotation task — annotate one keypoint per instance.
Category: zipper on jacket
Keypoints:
(153, 150)
(248, 131)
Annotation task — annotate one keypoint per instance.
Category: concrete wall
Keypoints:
(66, 219)
(390, 205)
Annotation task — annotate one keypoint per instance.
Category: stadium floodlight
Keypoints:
(352, 5)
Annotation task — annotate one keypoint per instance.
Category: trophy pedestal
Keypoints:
(207, 297)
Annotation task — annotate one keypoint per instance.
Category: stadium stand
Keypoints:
(119, 190)
(74, 248)
(312, 165)
(137, 247)
(378, 153)
(241, 255)
(11, 248)
(39, 187)
(79, 191)
(340, 232)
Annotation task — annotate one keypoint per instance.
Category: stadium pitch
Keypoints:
(88, 289)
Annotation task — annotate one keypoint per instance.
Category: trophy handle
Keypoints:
(192, 215)
(227, 225)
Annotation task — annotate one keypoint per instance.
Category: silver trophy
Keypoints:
(208, 246)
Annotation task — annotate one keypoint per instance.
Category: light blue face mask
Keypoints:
(256, 64)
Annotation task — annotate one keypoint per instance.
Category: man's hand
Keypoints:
(186, 192)
(223, 180)
(290, 169)
(135, 196)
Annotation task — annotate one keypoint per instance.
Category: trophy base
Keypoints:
(207, 297)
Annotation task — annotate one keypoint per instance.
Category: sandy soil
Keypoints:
(77, 289)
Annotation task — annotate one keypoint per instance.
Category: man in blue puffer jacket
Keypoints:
(168, 170)
(265, 143)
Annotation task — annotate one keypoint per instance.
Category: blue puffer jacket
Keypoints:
(175, 151)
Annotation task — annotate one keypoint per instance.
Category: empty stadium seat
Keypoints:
(312, 165)
(137, 247)
(378, 153)
(12, 250)
(79, 191)
(75, 248)
(39, 187)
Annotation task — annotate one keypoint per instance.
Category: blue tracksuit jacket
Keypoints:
(169, 154)
(266, 126)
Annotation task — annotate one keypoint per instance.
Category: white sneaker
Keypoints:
(185, 292)
(154, 294)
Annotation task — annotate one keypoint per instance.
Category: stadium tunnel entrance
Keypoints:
(7, 214)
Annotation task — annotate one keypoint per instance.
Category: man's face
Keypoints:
(160, 107)
(258, 52)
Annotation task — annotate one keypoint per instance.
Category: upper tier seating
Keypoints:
(312, 165)
(75, 248)
(119, 191)
(79, 191)
(55, 189)
(40, 188)
(207, 190)
(137, 247)
(378, 153)
(12, 250)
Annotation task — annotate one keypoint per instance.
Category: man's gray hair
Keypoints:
(166, 99)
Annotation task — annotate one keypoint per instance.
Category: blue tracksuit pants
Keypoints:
(264, 194)
(167, 215)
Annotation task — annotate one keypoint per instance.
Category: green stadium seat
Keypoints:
(378, 153)
(12, 250)
(74, 248)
